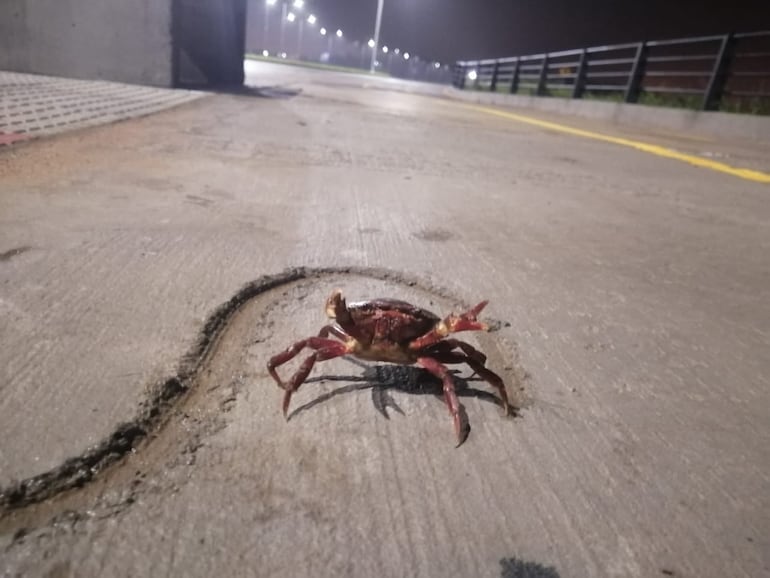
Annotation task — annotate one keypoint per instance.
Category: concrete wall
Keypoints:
(155, 42)
(124, 40)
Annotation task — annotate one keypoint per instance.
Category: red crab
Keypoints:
(396, 332)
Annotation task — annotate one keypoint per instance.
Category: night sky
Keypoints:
(448, 30)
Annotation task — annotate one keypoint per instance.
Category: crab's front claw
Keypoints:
(456, 324)
(476, 310)
(467, 321)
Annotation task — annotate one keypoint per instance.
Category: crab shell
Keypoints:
(383, 329)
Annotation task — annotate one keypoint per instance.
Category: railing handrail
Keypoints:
(634, 68)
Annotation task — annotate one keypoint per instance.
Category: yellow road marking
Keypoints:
(748, 174)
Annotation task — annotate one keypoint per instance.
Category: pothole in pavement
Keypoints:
(227, 369)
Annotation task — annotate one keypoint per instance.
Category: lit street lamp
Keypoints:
(283, 26)
(337, 34)
(290, 17)
(310, 20)
(268, 4)
(377, 23)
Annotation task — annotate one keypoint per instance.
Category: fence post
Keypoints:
(460, 73)
(495, 72)
(718, 79)
(542, 81)
(636, 74)
(580, 76)
(515, 78)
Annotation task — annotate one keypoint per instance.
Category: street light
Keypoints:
(396, 51)
(384, 49)
(268, 4)
(371, 43)
(406, 56)
(298, 4)
(323, 31)
(377, 23)
(310, 20)
(338, 34)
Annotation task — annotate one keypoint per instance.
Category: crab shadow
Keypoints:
(383, 379)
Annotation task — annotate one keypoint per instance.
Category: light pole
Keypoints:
(310, 20)
(328, 43)
(266, 40)
(337, 34)
(388, 58)
(376, 38)
(370, 44)
(284, 16)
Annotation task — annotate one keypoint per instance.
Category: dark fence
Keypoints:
(727, 72)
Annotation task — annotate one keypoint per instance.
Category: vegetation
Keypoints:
(755, 106)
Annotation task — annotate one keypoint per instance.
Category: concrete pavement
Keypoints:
(630, 292)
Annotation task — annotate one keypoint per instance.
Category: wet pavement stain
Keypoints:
(10, 254)
(516, 568)
(434, 235)
(200, 201)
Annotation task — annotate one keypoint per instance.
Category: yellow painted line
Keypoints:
(748, 174)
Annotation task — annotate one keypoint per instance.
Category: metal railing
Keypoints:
(729, 72)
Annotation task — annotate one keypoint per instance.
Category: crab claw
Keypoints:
(467, 321)
(334, 304)
(476, 310)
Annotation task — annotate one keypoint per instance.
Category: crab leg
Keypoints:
(325, 349)
(493, 379)
(452, 324)
(445, 355)
(440, 371)
(466, 348)
(334, 330)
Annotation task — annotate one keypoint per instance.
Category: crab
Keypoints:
(393, 331)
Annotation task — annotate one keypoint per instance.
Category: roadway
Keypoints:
(629, 292)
